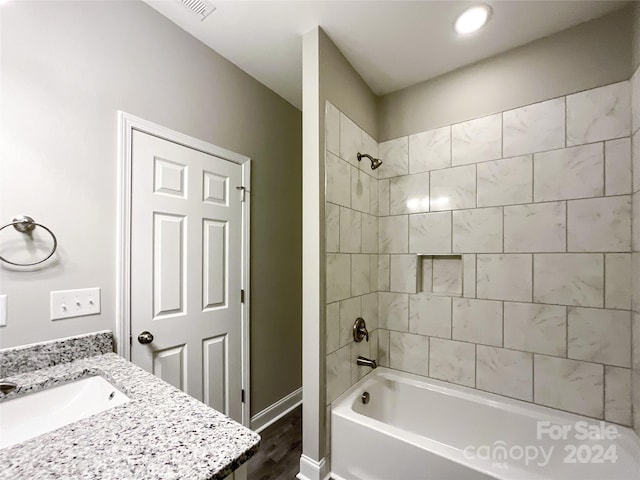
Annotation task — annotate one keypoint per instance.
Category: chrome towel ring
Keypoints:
(26, 224)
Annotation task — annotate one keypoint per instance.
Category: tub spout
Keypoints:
(366, 362)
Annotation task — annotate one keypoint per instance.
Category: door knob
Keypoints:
(145, 337)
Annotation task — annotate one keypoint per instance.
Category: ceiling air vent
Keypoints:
(200, 7)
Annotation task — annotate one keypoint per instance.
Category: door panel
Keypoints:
(215, 372)
(171, 365)
(186, 264)
(167, 268)
(214, 264)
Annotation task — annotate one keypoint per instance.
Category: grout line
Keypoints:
(566, 335)
(502, 323)
(565, 120)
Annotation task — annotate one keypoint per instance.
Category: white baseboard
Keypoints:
(312, 470)
(275, 412)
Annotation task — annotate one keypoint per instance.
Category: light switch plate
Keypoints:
(75, 303)
(3, 310)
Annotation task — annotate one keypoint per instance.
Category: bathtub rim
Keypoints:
(342, 407)
(468, 393)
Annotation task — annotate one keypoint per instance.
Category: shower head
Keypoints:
(375, 162)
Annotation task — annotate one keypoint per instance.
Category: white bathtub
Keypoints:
(415, 428)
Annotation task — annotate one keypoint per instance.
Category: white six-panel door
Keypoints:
(186, 269)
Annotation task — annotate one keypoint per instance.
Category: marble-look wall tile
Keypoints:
(373, 273)
(393, 311)
(409, 353)
(383, 197)
(504, 277)
(599, 114)
(602, 336)
(350, 231)
(534, 128)
(404, 273)
(359, 190)
(430, 233)
(395, 157)
(447, 275)
(452, 361)
(338, 373)
(383, 348)
(536, 328)
(617, 162)
(575, 172)
(569, 385)
(476, 140)
(332, 129)
(453, 188)
(350, 310)
(350, 140)
(635, 281)
(617, 285)
(425, 279)
(338, 181)
(359, 349)
(537, 227)
(338, 277)
(370, 310)
(383, 273)
(635, 222)
(599, 224)
(635, 101)
(505, 182)
(617, 395)
(333, 327)
(477, 321)
(393, 234)
(369, 233)
(430, 150)
(373, 197)
(360, 272)
(430, 315)
(505, 372)
(469, 276)
(332, 227)
(477, 230)
(409, 194)
(569, 279)
(635, 160)
(373, 338)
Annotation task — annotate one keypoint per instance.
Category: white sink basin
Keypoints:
(27, 417)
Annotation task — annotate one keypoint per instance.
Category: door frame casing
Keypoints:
(127, 124)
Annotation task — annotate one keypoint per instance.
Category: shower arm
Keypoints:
(360, 155)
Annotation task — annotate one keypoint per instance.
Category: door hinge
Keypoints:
(242, 395)
(241, 296)
(243, 191)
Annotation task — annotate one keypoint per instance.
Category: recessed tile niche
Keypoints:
(440, 274)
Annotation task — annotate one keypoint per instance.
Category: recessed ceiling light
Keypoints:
(472, 19)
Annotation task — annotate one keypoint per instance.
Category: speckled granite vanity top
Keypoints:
(162, 433)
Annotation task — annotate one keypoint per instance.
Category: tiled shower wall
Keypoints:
(351, 236)
(635, 121)
(524, 221)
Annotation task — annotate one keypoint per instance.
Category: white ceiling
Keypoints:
(392, 44)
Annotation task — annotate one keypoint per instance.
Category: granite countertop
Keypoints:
(161, 433)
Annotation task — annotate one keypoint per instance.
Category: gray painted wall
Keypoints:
(589, 55)
(67, 67)
(342, 85)
(636, 37)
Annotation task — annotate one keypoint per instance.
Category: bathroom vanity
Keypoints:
(81, 411)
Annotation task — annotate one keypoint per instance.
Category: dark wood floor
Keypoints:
(280, 449)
